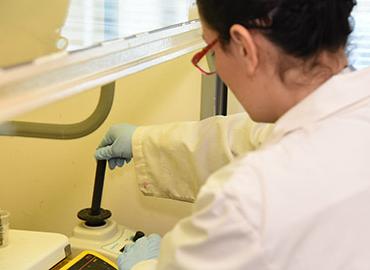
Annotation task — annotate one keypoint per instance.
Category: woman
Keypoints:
(300, 200)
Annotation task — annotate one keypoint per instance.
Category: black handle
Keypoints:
(96, 216)
(98, 187)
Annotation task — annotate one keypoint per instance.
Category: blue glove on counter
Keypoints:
(145, 248)
(116, 145)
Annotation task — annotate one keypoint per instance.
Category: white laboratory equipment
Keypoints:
(30, 250)
(108, 239)
(33, 250)
(97, 232)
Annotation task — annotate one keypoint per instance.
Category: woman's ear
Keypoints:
(244, 46)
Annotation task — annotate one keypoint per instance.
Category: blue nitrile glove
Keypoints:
(116, 145)
(145, 248)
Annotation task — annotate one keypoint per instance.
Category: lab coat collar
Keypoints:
(337, 93)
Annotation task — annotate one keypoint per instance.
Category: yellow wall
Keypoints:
(45, 182)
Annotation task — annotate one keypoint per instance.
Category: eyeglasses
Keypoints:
(205, 64)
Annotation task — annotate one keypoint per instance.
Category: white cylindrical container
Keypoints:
(4, 228)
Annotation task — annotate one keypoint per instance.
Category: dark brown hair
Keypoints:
(301, 28)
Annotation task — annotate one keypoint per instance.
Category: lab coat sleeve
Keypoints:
(224, 231)
(174, 160)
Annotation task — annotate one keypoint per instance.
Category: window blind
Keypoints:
(359, 42)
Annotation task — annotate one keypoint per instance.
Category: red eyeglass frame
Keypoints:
(199, 55)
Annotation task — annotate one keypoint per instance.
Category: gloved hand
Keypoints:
(116, 145)
(145, 248)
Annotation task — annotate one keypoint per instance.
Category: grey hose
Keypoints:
(64, 131)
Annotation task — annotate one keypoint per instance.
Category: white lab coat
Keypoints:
(299, 202)
(174, 160)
